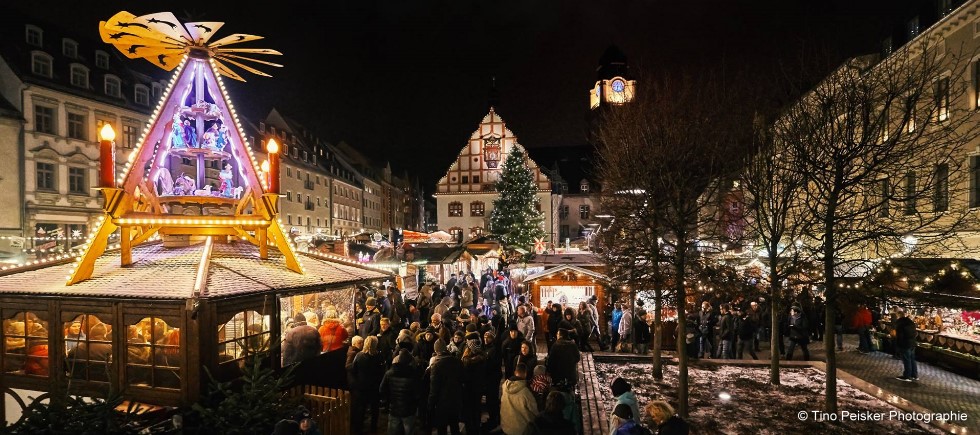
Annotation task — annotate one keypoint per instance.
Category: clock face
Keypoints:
(618, 85)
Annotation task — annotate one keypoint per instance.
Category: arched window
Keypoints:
(79, 76)
(245, 335)
(476, 208)
(88, 348)
(455, 209)
(153, 354)
(25, 344)
(113, 87)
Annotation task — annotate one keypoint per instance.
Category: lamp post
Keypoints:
(107, 157)
(273, 148)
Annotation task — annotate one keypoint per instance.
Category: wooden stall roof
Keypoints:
(171, 273)
(566, 268)
(437, 253)
(583, 258)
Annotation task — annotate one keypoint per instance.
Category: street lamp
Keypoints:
(273, 148)
(107, 157)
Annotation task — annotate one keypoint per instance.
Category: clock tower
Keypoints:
(614, 86)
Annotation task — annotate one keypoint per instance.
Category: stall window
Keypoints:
(153, 354)
(245, 335)
(315, 322)
(88, 348)
(25, 344)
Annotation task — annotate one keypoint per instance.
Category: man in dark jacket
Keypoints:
(563, 360)
(370, 323)
(727, 332)
(706, 326)
(905, 344)
(798, 333)
(386, 341)
(474, 376)
(746, 334)
(510, 348)
(400, 387)
(445, 379)
(302, 342)
(491, 383)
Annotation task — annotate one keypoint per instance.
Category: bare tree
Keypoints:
(666, 151)
(866, 125)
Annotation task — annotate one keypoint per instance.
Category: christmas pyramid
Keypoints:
(192, 173)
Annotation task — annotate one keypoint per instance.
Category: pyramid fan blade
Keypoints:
(234, 39)
(222, 54)
(201, 32)
(166, 61)
(223, 70)
(167, 24)
(251, 50)
(244, 67)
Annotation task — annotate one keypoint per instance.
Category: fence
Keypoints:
(329, 407)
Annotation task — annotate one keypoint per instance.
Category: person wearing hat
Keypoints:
(400, 387)
(301, 342)
(444, 378)
(457, 344)
(510, 347)
(798, 333)
(370, 322)
(425, 346)
(474, 366)
(622, 391)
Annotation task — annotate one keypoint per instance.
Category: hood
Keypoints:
(627, 397)
(514, 386)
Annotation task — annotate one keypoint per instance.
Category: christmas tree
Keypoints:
(515, 219)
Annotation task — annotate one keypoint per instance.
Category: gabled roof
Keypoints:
(437, 254)
(583, 258)
(171, 273)
(566, 268)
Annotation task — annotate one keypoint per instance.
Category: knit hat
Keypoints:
(472, 335)
(513, 327)
(620, 386)
(623, 411)
(473, 345)
(371, 302)
(439, 347)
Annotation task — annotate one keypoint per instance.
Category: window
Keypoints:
(885, 191)
(457, 233)
(142, 95)
(79, 76)
(76, 181)
(102, 59)
(153, 354)
(289, 171)
(69, 48)
(940, 196)
(44, 173)
(245, 335)
(466, 179)
(112, 86)
(289, 219)
(910, 193)
(129, 133)
(563, 213)
(455, 209)
(76, 126)
(974, 181)
(88, 348)
(975, 69)
(44, 119)
(476, 179)
(476, 208)
(185, 161)
(910, 108)
(25, 344)
(158, 90)
(583, 211)
(34, 36)
(41, 64)
(289, 195)
(942, 99)
(584, 186)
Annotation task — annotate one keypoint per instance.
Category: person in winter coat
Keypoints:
(617, 316)
(642, 332)
(798, 333)
(517, 405)
(540, 384)
(425, 347)
(593, 326)
(444, 377)
(474, 368)
(526, 356)
(356, 344)
(563, 360)
(622, 422)
(905, 335)
(746, 335)
(706, 326)
(443, 307)
(424, 302)
(584, 317)
(302, 342)
(400, 387)
(333, 335)
(366, 372)
(727, 333)
(664, 420)
(551, 421)
(525, 324)
(622, 391)
(370, 322)
(571, 323)
(386, 341)
(492, 369)
(457, 345)
(626, 331)
(441, 326)
(862, 323)
(510, 348)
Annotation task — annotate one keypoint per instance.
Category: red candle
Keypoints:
(107, 157)
(273, 148)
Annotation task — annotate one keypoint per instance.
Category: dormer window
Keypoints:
(79, 76)
(34, 36)
(101, 59)
(113, 86)
(141, 95)
(584, 186)
(157, 90)
(69, 48)
(41, 64)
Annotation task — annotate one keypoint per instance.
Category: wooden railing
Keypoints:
(329, 407)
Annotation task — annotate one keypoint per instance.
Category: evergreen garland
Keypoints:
(515, 219)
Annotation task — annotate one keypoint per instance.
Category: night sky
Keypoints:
(407, 81)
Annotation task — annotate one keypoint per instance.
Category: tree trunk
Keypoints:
(658, 331)
(679, 266)
(830, 294)
(775, 289)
